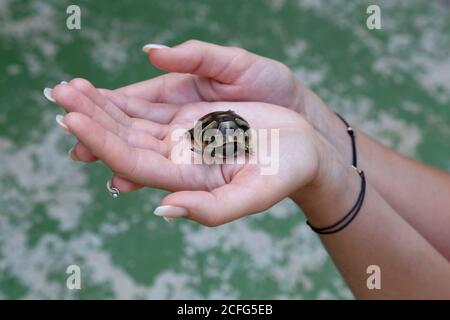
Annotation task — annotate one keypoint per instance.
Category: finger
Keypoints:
(224, 204)
(118, 155)
(80, 153)
(149, 140)
(141, 166)
(161, 89)
(73, 100)
(144, 134)
(99, 100)
(224, 64)
(136, 107)
(124, 185)
(135, 138)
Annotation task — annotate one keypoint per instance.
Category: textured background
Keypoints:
(393, 83)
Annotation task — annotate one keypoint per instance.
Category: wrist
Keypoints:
(327, 123)
(332, 192)
(336, 184)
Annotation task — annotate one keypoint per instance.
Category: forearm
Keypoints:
(410, 266)
(417, 192)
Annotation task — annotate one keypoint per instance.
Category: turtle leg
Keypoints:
(191, 135)
(196, 150)
(249, 150)
(190, 132)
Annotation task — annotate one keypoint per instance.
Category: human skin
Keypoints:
(141, 151)
(201, 71)
(311, 173)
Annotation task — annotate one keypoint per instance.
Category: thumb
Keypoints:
(217, 207)
(224, 64)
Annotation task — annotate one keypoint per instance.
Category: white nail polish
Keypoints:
(112, 190)
(63, 82)
(72, 155)
(169, 220)
(48, 94)
(151, 46)
(170, 212)
(60, 120)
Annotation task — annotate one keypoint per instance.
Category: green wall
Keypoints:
(394, 83)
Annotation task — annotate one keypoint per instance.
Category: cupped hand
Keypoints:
(139, 151)
(201, 71)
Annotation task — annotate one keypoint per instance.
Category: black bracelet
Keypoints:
(351, 133)
(345, 221)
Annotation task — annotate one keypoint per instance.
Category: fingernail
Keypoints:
(48, 94)
(72, 156)
(60, 120)
(63, 82)
(112, 190)
(169, 220)
(151, 46)
(169, 213)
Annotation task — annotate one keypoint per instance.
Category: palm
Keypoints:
(260, 116)
(139, 149)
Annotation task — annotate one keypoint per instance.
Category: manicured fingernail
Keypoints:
(48, 94)
(170, 212)
(169, 220)
(60, 121)
(112, 190)
(151, 46)
(63, 82)
(72, 156)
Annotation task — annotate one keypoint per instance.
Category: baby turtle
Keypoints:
(221, 134)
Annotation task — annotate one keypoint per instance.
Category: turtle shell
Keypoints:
(232, 128)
